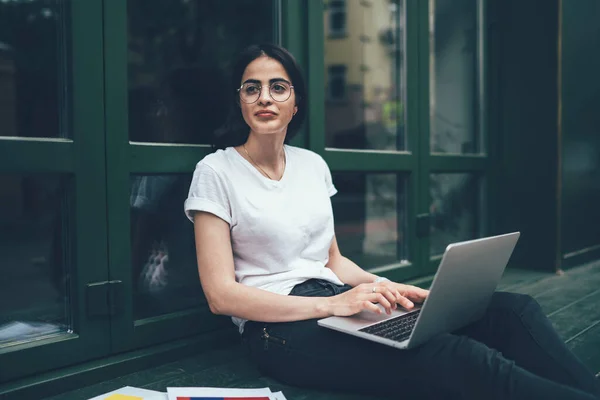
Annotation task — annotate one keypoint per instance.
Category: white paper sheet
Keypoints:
(278, 396)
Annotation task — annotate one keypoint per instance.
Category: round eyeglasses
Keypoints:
(279, 91)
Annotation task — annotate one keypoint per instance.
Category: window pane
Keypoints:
(337, 17)
(365, 80)
(163, 252)
(179, 52)
(370, 218)
(455, 209)
(33, 68)
(454, 75)
(337, 82)
(34, 296)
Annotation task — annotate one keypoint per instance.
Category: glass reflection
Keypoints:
(34, 295)
(370, 218)
(455, 209)
(179, 53)
(365, 82)
(163, 252)
(454, 77)
(33, 68)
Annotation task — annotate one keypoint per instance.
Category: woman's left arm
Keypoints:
(353, 275)
(346, 269)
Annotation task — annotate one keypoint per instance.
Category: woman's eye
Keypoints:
(252, 89)
(278, 88)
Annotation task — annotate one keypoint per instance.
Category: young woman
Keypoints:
(268, 257)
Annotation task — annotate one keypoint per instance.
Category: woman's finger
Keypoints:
(367, 305)
(390, 296)
(418, 293)
(379, 298)
(404, 302)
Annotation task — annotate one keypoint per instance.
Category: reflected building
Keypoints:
(364, 74)
(455, 83)
(364, 110)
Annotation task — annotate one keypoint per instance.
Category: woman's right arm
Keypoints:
(227, 297)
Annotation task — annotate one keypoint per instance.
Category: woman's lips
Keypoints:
(265, 114)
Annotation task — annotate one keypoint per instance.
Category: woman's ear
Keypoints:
(295, 110)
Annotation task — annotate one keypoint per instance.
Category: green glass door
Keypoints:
(454, 155)
(400, 95)
(371, 123)
(53, 232)
(107, 106)
(166, 65)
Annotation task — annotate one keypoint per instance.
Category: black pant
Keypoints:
(513, 352)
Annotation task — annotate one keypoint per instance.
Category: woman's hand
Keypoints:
(365, 296)
(408, 293)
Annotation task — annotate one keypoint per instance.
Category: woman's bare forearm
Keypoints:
(260, 305)
(349, 272)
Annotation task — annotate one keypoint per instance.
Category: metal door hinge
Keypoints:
(104, 298)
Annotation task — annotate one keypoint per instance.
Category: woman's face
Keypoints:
(267, 116)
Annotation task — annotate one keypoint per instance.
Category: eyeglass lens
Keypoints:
(279, 91)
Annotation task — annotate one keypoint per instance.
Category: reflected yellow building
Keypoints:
(363, 72)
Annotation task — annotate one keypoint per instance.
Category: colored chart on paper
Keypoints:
(223, 398)
(212, 393)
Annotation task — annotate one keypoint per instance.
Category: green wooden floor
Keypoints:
(572, 301)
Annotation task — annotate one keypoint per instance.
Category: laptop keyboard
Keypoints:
(397, 328)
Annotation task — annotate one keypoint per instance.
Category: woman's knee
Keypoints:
(513, 302)
(464, 365)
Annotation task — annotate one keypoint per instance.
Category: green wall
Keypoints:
(523, 121)
(580, 126)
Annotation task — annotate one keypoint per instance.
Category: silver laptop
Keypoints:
(460, 293)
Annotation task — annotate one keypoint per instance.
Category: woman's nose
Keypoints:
(265, 95)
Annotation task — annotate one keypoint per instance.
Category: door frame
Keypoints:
(77, 158)
(125, 158)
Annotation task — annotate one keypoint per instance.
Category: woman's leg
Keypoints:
(447, 367)
(516, 326)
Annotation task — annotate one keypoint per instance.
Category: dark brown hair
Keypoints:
(234, 130)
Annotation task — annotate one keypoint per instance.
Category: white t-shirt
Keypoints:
(281, 231)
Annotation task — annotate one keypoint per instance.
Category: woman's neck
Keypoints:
(266, 153)
(266, 150)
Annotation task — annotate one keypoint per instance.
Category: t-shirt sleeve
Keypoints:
(208, 193)
(331, 190)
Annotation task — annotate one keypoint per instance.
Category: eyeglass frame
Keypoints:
(239, 90)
